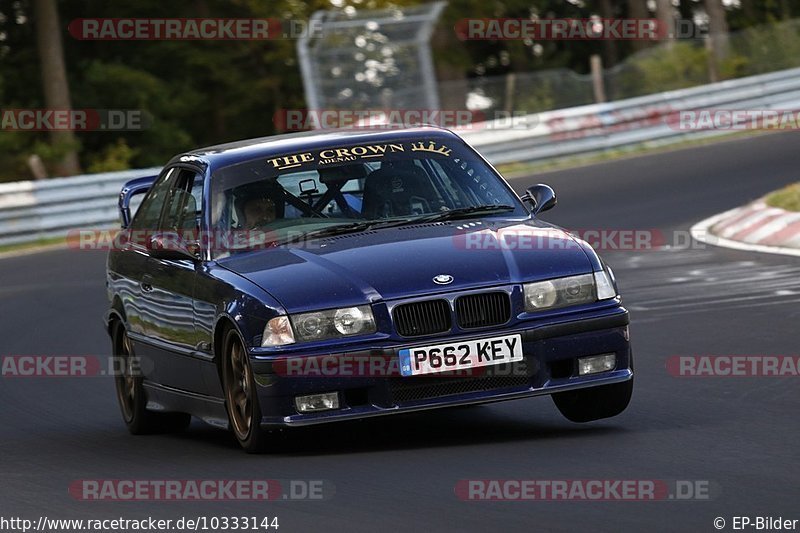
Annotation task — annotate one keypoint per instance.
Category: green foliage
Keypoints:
(765, 48)
(51, 151)
(14, 152)
(197, 93)
(169, 109)
(542, 97)
(115, 156)
(669, 67)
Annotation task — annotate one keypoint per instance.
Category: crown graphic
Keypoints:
(430, 147)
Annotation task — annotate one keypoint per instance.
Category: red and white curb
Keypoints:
(755, 228)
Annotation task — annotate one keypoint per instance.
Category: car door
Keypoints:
(131, 262)
(168, 287)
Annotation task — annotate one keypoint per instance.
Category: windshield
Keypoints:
(352, 187)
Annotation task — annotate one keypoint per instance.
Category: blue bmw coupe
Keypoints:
(325, 276)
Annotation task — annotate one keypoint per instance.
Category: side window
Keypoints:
(149, 213)
(182, 213)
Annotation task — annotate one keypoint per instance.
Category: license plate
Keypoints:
(460, 355)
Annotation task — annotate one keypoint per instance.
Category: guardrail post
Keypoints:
(37, 167)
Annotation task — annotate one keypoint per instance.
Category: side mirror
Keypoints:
(541, 197)
(171, 246)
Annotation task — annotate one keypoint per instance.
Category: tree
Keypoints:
(637, 9)
(610, 55)
(718, 41)
(195, 93)
(665, 14)
(54, 81)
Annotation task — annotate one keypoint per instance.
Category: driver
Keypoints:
(255, 205)
(258, 211)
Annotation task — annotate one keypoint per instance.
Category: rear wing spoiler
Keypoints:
(129, 190)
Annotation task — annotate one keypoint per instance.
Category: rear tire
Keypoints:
(241, 399)
(131, 395)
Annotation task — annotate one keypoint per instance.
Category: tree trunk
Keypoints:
(610, 55)
(665, 14)
(54, 81)
(718, 42)
(637, 9)
(750, 13)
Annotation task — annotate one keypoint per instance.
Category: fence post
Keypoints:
(511, 82)
(37, 167)
(596, 64)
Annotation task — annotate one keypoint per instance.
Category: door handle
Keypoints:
(146, 284)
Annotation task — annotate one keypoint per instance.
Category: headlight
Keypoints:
(278, 332)
(321, 325)
(540, 295)
(561, 292)
(310, 325)
(351, 320)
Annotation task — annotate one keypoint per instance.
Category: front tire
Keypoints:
(241, 399)
(595, 403)
(131, 395)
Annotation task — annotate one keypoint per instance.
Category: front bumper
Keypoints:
(550, 365)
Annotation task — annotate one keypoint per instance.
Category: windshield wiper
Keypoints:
(466, 212)
(342, 229)
(339, 229)
(366, 225)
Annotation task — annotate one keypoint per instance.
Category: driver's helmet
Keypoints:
(266, 191)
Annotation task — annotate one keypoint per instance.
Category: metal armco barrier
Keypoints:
(650, 120)
(33, 210)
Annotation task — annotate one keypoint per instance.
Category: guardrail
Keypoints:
(33, 210)
(651, 120)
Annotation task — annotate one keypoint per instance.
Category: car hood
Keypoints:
(400, 262)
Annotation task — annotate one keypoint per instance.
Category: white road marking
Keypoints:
(691, 281)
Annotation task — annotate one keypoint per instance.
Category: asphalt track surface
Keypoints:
(399, 473)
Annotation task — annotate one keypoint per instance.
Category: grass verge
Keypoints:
(787, 198)
(41, 243)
